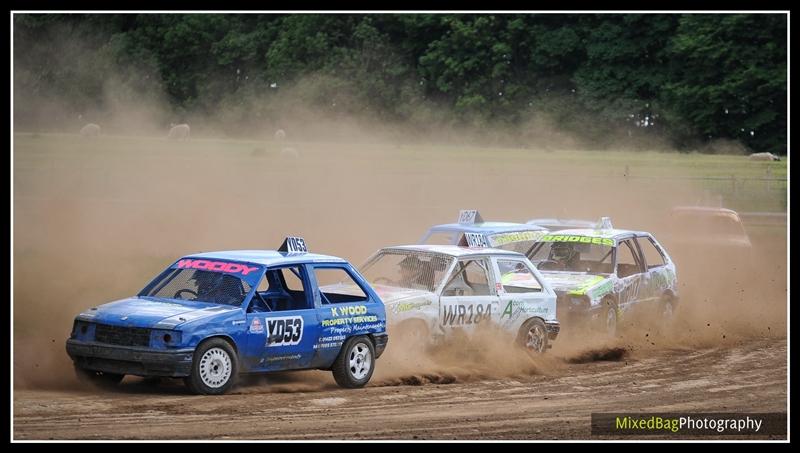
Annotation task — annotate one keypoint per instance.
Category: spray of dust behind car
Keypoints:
(702, 236)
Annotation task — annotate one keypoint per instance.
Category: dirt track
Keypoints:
(85, 211)
(748, 377)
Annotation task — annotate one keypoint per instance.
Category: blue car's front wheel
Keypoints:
(214, 368)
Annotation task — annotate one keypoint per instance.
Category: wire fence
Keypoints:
(749, 194)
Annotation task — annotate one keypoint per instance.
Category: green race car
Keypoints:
(603, 275)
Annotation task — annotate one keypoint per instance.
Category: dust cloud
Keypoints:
(95, 220)
(93, 223)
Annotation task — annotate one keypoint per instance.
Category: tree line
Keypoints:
(692, 78)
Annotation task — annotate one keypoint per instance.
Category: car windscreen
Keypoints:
(573, 257)
(407, 269)
(197, 280)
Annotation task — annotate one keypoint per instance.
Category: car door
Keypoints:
(629, 269)
(658, 277)
(282, 324)
(344, 308)
(468, 296)
(522, 295)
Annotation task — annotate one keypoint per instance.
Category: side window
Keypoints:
(627, 259)
(293, 279)
(652, 256)
(282, 289)
(469, 278)
(336, 286)
(516, 277)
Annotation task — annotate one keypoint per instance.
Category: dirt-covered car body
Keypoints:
(709, 228)
(271, 307)
(447, 289)
(607, 274)
(470, 221)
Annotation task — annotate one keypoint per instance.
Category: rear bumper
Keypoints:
(380, 343)
(130, 360)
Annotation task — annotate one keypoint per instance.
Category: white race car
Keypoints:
(438, 290)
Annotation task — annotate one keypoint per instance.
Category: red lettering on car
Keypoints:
(216, 266)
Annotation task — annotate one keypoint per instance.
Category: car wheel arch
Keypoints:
(523, 326)
(227, 339)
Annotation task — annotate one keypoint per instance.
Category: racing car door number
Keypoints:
(286, 331)
(476, 240)
(457, 314)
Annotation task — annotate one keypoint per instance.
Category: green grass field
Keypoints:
(743, 184)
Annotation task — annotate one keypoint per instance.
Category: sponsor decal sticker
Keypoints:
(499, 239)
(283, 357)
(581, 239)
(256, 326)
(350, 320)
(583, 288)
(328, 342)
(515, 307)
(407, 306)
(350, 310)
(216, 266)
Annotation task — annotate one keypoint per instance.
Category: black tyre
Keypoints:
(533, 336)
(356, 361)
(98, 378)
(664, 318)
(215, 368)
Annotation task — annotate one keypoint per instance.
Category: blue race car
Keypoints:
(492, 234)
(210, 316)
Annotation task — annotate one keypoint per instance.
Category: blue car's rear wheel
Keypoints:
(356, 361)
(214, 368)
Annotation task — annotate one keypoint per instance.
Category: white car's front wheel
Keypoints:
(533, 336)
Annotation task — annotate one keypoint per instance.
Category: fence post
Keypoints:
(769, 178)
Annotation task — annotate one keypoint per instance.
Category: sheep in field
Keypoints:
(764, 156)
(90, 130)
(179, 132)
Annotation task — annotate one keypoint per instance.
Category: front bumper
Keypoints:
(380, 343)
(130, 360)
